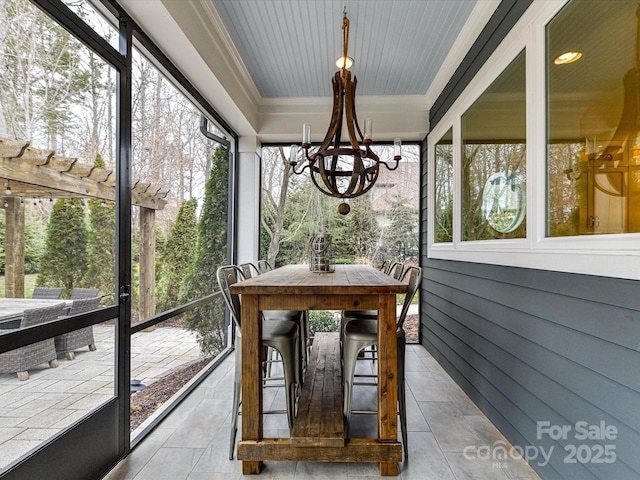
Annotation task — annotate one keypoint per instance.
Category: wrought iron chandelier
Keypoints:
(343, 171)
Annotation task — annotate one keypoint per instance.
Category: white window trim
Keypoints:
(613, 255)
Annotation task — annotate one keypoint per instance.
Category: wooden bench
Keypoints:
(320, 421)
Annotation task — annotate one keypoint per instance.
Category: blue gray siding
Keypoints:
(530, 345)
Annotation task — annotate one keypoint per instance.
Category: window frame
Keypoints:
(609, 255)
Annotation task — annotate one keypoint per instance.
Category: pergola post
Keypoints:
(14, 248)
(147, 263)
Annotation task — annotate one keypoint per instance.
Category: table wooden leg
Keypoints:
(387, 378)
(251, 377)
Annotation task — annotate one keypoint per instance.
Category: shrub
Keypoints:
(323, 321)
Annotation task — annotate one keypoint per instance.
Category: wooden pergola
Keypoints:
(35, 173)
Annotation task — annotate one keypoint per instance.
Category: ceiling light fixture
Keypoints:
(567, 57)
(343, 171)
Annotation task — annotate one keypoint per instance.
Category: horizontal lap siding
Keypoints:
(529, 345)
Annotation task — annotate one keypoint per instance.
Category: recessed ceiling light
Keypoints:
(567, 57)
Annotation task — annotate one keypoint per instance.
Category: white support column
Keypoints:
(249, 190)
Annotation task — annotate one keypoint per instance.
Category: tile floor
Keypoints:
(192, 442)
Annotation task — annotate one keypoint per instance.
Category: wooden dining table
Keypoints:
(294, 287)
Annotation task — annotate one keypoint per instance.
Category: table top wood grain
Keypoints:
(299, 280)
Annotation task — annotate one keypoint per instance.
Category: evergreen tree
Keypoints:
(101, 250)
(178, 254)
(211, 252)
(344, 238)
(65, 256)
(400, 241)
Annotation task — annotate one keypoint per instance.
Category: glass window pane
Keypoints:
(593, 152)
(382, 224)
(95, 20)
(57, 223)
(494, 159)
(177, 244)
(60, 381)
(444, 188)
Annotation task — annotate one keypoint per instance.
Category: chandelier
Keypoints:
(343, 171)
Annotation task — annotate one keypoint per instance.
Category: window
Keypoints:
(545, 155)
(57, 95)
(593, 151)
(494, 159)
(444, 188)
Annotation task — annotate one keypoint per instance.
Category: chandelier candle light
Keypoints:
(343, 171)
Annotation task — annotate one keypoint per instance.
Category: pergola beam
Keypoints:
(48, 180)
(34, 173)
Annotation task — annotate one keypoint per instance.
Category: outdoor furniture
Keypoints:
(83, 337)
(395, 270)
(392, 269)
(280, 335)
(295, 287)
(11, 309)
(362, 333)
(22, 359)
(264, 266)
(249, 270)
(78, 293)
(46, 292)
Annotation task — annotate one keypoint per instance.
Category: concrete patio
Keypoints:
(53, 398)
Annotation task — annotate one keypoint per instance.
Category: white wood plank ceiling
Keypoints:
(289, 46)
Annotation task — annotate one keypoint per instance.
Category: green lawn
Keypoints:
(29, 283)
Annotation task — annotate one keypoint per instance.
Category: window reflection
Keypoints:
(593, 151)
(444, 188)
(494, 159)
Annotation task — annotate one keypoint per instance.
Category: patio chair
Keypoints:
(281, 335)
(361, 333)
(249, 270)
(384, 266)
(395, 270)
(83, 337)
(22, 359)
(46, 293)
(78, 293)
(264, 266)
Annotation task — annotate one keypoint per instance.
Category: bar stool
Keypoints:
(264, 266)
(249, 270)
(395, 270)
(361, 333)
(385, 266)
(281, 335)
